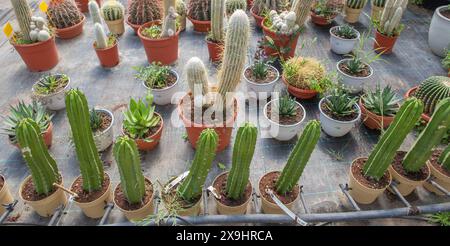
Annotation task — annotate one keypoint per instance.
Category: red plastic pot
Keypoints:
(200, 26)
(149, 145)
(47, 136)
(135, 27)
(281, 41)
(72, 31)
(38, 57)
(258, 19)
(383, 43)
(320, 20)
(409, 93)
(83, 4)
(214, 50)
(249, 4)
(164, 50)
(109, 57)
(299, 93)
(372, 120)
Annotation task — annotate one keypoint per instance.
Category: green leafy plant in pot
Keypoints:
(378, 107)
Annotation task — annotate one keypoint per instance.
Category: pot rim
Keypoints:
(380, 116)
(263, 198)
(357, 181)
(281, 36)
(86, 204)
(136, 210)
(83, 18)
(198, 21)
(319, 16)
(438, 11)
(339, 121)
(165, 88)
(344, 39)
(155, 40)
(54, 93)
(157, 131)
(131, 24)
(246, 201)
(385, 36)
(288, 125)
(107, 48)
(432, 168)
(47, 197)
(258, 84)
(283, 78)
(392, 169)
(350, 76)
(33, 44)
(112, 119)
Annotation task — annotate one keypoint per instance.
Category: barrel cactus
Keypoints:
(63, 13)
(243, 150)
(101, 41)
(356, 4)
(112, 10)
(433, 90)
(191, 188)
(302, 9)
(444, 159)
(169, 27)
(386, 148)
(379, 3)
(132, 180)
(199, 9)
(94, 11)
(91, 166)
(143, 11)
(23, 14)
(232, 5)
(217, 20)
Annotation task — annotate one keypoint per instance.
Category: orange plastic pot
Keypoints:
(109, 57)
(249, 4)
(281, 41)
(258, 19)
(383, 43)
(200, 26)
(372, 120)
(214, 50)
(409, 93)
(72, 31)
(38, 57)
(320, 20)
(147, 145)
(164, 50)
(135, 27)
(47, 136)
(299, 93)
(83, 4)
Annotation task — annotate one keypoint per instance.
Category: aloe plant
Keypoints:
(381, 101)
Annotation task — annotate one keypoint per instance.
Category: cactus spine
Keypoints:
(299, 157)
(63, 13)
(91, 166)
(233, 5)
(94, 11)
(302, 9)
(169, 27)
(191, 188)
(23, 15)
(112, 10)
(444, 159)
(199, 9)
(100, 37)
(243, 150)
(167, 5)
(433, 90)
(197, 76)
(385, 150)
(428, 138)
(356, 4)
(132, 180)
(379, 3)
(39, 30)
(44, 171)
(217, 28)
(143, 11)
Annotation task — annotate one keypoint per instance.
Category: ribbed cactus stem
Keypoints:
(112, 10)
(199, 9)
(167, 5)
(430, 137)
(302, 9)
(132, 180)
(44, 171)
(191, 187)
(63, 13)
(217, 16)
(243, 150)
(391, 16)
(356, 4)
(169, 25)
(299, 157)
(197, 77)
(23, 15)
(143, 11)
(388, 9)
(386, 148)
(91, 166)
(100, 37)
(379, 3)
(444, 159)
(94, 11)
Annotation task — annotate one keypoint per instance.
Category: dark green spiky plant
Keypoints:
(205, 152)
(299, 157)
(44, 171)
(444, 159)
(432, 90)
(132, 180)
(91, 166)
(243, 150)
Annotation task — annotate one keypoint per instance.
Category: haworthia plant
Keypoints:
(23, 15)
(112, 10)
(429, 138)
(91, 166)
(302, 9)
(100, 37)
(44, 171)
(386, 148)
(243, 150)
(217, 16)
(444, 159)
(205, 152)
(132, 180)
(94, 11)
(356, 4)
(299, 157)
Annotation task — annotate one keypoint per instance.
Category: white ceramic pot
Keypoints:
(54, 101)
(164, 96)
(354, 84)
(336, 128)
(283, 132)
(340, 45)
(105, 138)
(261, 91)
(439, 33)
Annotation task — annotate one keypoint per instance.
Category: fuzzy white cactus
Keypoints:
(38, 29)
(100, 37)
(94, 11)
(284, 23)
(197, 78)
(169, 27)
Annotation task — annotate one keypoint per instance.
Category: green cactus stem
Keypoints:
(94, 11)
(444, 159)
(302, 9)
(169, 25)
(112, 10)
(432, 90)
(143, 11)
(100, 37)
(63, 13)
(233, 5)
(217, 16)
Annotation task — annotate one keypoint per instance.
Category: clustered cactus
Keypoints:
(283, 23)
(91, 166)
(112, 10)
(302, 10)
(379, 3)
(197, 78)
(23, 15)
(232, 5)
(217, 19)
(143, 11)
(199, 9)
(432, 90)
(39, 30)
(94, 10)
(101, 40)
(390, 18)
(356, 4)
(169, 27)
(444, 159)
(63, 13)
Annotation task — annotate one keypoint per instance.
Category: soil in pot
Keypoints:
(358, 173)
(84, 196)
(61, 83)
(221, 186)
(269, 181)
(174, 201)
(29, 192)
(445, 13)
(121, 200)
(270, 77)
(364, 73)
(189, 113)
(170, 80)
(285, 120)
(397, 165)
(106, 120)
(330, 114)
(435, 163)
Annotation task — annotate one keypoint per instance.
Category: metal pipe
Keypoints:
(56, 215)
(108, 209)
(302, 200)
(345, 190)
(8, 210)
(393, 187)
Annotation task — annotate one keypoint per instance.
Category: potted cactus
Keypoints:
(232, 5)
(161, 80)
(260, 8)
(186, 197)
(101, 121)
(199, 13)
(143, 11)
(112, 12)
(369, 177)
(35, 42)
(323, 12)
(234, 187)
(378, 107)
(222, 102)
(376, 8)
(388, 28)
(181, 9)
(438, 35)
(215, 38)
(83, 5)
(105, 47)
(5, 194)
(343, 39)
(353, 9)
(446, 63)
(134, 194)
(49, 90)
(302, 9)
(161, 41)
(66, 18)
(260, 77)
(284, 185)
(38, 190)
(93, 187)
(142, 123)
(439, 164)
(34, 111)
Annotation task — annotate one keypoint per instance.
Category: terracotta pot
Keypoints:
(135, 27)
(45, 207)
(268, 207)
(351, 15)
(200, 26)
(281, 41)
(72, 31)
(297, 92)
(194, 129)
(321, 20)
(258, 19)
(424, 116)
(164, 50)
(83, 4)
(38, 57)
(96, 208)
(149, 145)
(231, 210)
(361, 193)
(5, 195)
(214, 50)
(140, 213)
(116, 26)
(383, 43)
(440, 178)
(249, 4)
(372, 120)
(405, 185)
(376, 12)
(108, 57)
(47, 136)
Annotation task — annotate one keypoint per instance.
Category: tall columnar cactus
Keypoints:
(23, 15)
(191, 188)
(169, 27)
(356, 4)
(100, 37)
(132, 180)
(199, 10)
(433, 90)
(143, 11)
(217, 16)
(91, 166)
(299, 157)
(94, 11)
(197, 77)
(44, 171)
(379, 3)
(112, 10)
(391, 16)
(386, 148)
(232, 5)
(444, 159)
(243, 150)
(180, 6)
(167, 5)
(63, 13)
(302, 9)
(428, 138)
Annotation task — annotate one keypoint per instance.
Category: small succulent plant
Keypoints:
(51, 83)
(140, 117)
(95, 119)
(154, 75)
(285, 106)
(340, 103)
(346, 31)
(381, 101)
